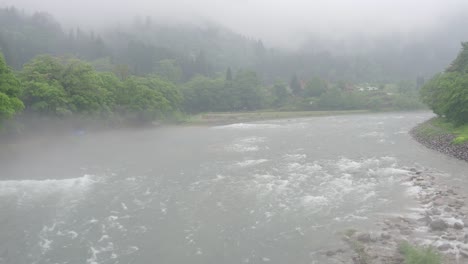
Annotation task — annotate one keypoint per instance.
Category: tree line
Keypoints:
(447, 92)
(63, 87)
(131, 74)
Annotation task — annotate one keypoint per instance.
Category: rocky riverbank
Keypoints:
(437, 222)
(437, 139)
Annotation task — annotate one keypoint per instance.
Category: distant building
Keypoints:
(366, 87)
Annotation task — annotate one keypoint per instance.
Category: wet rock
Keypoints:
(406, 231)
(385, 235)
(457, 204)
(426, 219)
(438, 225)
(442, 143)
(438, 202)
(363, 237)
(444, 247)
(434, 211)
(464, 253)
(458, 225)
(451, 192)
(448, 209)
(449, 237)
(426, 201)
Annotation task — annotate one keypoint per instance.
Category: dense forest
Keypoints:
(150, 71)
(447, 93)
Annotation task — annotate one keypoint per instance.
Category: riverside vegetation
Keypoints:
(124, 77)
(447, 95)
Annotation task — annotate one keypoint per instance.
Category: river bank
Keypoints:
(441, 137)
(435, 226)
(241, 117)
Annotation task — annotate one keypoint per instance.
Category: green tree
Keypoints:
(139, 103)
(84, 88)
(122, 71)
(203, 94)
(169, 70)
(447, 93)
(169, 91)
(42, 90)
(247, 91)
(331, 100)
(315, 87)
(295, 86)
(10, 90)
(460, 64)
(280, 93)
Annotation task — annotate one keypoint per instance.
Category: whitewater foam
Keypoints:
(249, 163)
(36, 188)
(247, 126)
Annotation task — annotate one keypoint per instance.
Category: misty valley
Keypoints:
(191, 139)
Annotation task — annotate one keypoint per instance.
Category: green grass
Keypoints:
(460, 132)
(419, 255)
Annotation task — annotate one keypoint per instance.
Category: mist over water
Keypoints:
(74, 189)
(273, 191)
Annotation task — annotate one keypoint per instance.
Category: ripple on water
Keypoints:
(345, 189)
(247, 144)
(245, 126)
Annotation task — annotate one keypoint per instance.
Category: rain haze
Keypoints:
(224, 131)
(278, 22)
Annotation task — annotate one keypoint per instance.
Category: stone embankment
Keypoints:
(440, 141)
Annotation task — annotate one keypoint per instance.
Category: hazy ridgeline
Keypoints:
(149, 70)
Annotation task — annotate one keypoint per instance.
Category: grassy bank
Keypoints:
(419, 255)
(440, 126)
(236, 117)
(440, 135)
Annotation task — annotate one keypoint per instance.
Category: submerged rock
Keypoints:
(464, 253)
(426, 219)
(363, 237)
(458, 225)
(438, 225)
(385, 235)
(444, 247)
(434, 211)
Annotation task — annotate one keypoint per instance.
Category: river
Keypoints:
(276, 191)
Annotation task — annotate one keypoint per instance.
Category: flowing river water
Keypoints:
(262, 192)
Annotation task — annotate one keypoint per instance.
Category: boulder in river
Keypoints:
(438, 225)
(363, 237)
(444, 247)
(458, 225)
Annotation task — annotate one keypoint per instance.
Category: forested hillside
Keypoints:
(209, 49)
(146, 71)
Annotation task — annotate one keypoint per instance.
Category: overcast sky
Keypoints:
(272, 20)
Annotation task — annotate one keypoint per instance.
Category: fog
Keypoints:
(282, 22)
